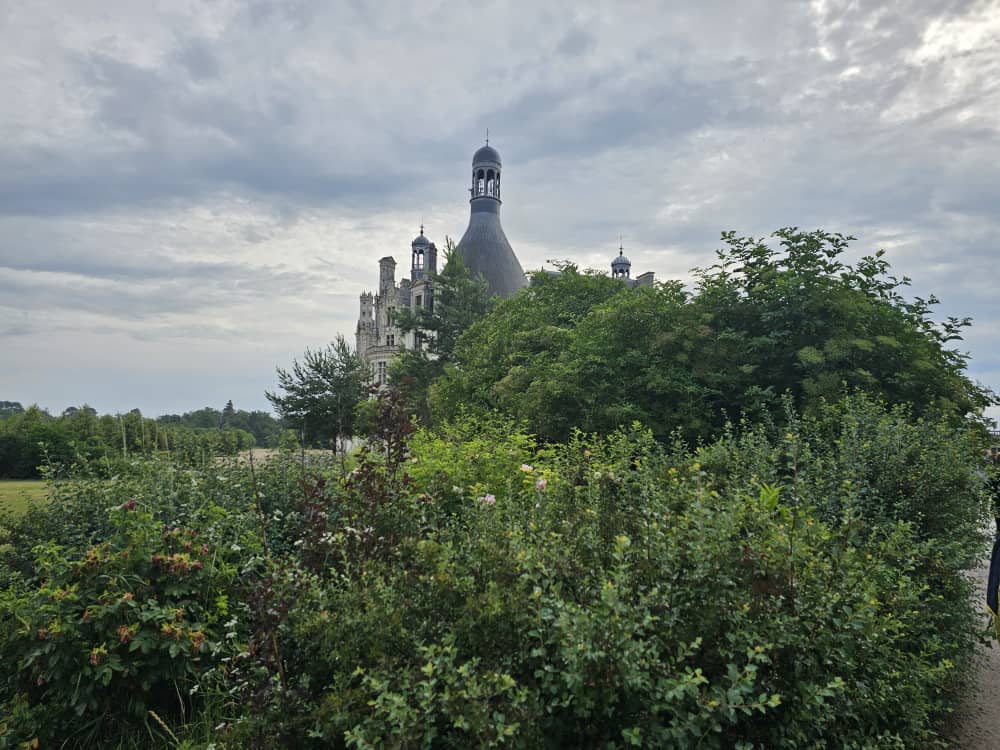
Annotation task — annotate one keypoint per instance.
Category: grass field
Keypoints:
(16, 494)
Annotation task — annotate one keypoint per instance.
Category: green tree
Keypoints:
(580, 350)
(507, 360)
(8, 408)
(459, 300)
(798, 319)
(321, 393)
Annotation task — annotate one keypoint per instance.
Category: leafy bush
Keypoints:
(605, 593)
(468, 587)
(124, 629)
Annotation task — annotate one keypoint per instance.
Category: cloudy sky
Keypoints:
(193, 191)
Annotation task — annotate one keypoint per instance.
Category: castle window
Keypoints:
(420, 300)
(390, 340)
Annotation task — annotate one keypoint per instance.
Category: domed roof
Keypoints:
(420, 240)
(621, 261)
(486, 154)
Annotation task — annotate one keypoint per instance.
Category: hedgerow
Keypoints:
(468, 587)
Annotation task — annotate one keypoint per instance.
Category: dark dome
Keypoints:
(621, 261)
(421, 240)
(486, 154)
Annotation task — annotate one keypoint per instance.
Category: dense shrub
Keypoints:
(470, 588)
(121, 630)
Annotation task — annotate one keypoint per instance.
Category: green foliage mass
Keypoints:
(471, 587)
(579, 350)
(321, 393)
(31, 438)
(458, 301)
(733, 517)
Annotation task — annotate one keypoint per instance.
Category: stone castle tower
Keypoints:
(377, 338)
(484, 249)
(484, 246)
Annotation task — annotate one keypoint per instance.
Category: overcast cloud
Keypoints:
(193, 191)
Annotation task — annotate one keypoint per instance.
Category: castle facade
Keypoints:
(486, 252)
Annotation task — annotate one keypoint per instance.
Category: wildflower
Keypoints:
(488, 499)
(527, 468)
(541, 484)
(130, 505)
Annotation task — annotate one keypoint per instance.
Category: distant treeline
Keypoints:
(32, 437)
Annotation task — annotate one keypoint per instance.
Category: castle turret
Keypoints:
(424, 257)
(484, 246)
(366, 322)
(621, 266)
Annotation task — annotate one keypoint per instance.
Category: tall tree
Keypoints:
(321, 393)
(459, 301)
(768, 321)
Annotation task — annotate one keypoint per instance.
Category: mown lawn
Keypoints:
(16, 494)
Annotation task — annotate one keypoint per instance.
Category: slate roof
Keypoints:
(486, 154)
(485, 249)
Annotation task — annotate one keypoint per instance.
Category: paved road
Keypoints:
(976, 724)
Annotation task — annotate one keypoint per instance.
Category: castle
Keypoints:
(486, 252)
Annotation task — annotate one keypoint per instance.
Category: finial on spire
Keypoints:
(621, 247)
(487, 136)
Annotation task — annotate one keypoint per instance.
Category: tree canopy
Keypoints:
(580, 350)
(80, 437)
(459, 301)
(321, 392)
